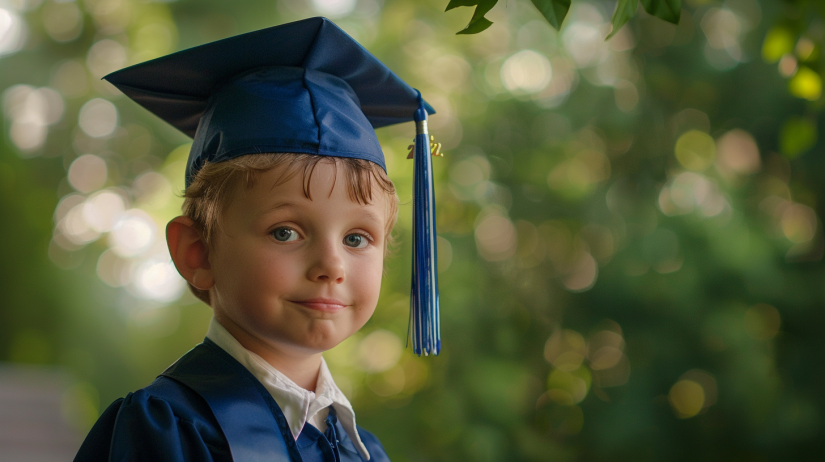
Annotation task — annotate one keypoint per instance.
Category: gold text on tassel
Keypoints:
(435, 148)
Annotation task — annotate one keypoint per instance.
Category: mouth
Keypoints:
(327, 305)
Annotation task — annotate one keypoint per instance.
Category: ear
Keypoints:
(189, 252)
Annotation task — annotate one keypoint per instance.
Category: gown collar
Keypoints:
(298, 405)
(254, 426)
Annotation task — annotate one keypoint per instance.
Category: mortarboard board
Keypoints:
(301, 87)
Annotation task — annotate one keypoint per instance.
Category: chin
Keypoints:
(324, 340)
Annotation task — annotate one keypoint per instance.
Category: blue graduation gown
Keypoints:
(207, 407)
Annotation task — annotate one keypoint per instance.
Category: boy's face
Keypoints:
(294, 274)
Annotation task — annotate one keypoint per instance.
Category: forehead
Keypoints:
(321, 183)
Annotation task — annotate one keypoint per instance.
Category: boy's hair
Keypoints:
(213, 187)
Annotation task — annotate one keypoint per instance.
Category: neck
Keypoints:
(301, 367)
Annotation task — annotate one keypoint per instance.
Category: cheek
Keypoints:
(251, 270)
(368, 278)
(270, 270)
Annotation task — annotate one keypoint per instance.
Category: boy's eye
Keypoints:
(284, 234)
(357, 241)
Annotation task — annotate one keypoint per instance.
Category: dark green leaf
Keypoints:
(625, 9)
(484, 6)
(669, 10)
(478, 22)
(553, 10)
(457, 3)
(476, 26)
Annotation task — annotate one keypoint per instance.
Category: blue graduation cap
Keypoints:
(302, 87)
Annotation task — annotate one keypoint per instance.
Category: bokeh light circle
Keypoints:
(98, 118)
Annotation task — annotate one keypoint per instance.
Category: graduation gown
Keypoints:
(207, 407)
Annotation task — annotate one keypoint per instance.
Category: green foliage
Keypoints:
(553, 11)
(668, 10)
(625, 9)
(457, 3)
(478, 22)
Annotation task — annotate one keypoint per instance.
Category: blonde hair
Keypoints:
(213, 187)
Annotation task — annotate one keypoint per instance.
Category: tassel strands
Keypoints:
(425, 318)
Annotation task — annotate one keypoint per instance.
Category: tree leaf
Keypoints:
(669, 10)
(475, 26)
(457, 3)
(478, 22)
(553, 10)
(625, 9)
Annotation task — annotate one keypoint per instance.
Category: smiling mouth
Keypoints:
(327, 305)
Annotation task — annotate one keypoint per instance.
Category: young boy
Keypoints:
(287, 213)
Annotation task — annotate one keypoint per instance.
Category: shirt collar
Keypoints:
(297, 404)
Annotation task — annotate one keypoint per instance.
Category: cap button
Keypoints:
(420, 114)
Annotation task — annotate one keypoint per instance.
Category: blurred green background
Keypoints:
(630, 230)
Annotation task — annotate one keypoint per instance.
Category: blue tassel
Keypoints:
(425, 318)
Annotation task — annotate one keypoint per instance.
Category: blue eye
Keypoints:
(284, 234)
(357, 241)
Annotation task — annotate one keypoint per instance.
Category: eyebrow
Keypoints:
(367, 214)
(372, 216)
(277, 206)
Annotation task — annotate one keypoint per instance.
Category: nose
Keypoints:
(327, 263)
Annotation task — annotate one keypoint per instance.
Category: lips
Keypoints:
(328, 305)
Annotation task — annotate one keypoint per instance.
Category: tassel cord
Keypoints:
(426, 327)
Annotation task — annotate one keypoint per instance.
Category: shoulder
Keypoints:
(164, 421)
(168, 399)
(180, 399)
(374, 446)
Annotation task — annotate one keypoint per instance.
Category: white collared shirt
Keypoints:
(298, 405)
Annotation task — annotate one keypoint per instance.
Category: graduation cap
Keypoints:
(302, 87)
